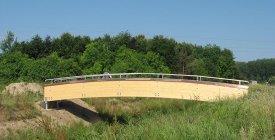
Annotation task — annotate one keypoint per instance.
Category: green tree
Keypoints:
(95, 69)
(127, 60)
(140, 43)
(96, 53)
(198, 67)
(166, 48)
(260, 70)
(123, 39)
(226, 66)
(51, 66)
(107, 40)
(35, 48)
(211, 56)
(154, 63)
(69, 46)
(8, 42)
(125, 53)
(184, 57)
(242, 70)
(12, 65)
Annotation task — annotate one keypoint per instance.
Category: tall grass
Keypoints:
(251, 117)
(17, 107)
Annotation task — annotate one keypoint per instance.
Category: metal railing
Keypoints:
(107, 76)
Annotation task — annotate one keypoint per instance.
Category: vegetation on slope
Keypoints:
(18, 107)
(250, 117)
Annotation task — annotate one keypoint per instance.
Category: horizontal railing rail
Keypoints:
(145, 75)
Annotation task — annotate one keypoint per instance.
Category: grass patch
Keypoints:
(122, 110)
(18, 107)
(3, 84)
(250, 117)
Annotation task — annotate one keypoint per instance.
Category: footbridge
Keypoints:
(155, 85)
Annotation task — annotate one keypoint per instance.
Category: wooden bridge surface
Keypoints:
(144, 87)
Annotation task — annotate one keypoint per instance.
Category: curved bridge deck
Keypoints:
(189, 87)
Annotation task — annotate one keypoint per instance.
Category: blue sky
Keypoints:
(247, 27)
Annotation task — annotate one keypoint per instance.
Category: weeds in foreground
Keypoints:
(51, 128)
(17, 107)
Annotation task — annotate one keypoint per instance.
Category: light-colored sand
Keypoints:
(23, 87)
(69, 112)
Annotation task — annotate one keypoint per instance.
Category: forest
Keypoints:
(68, 55)
(40, 58)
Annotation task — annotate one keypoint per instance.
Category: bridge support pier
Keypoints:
(57, 104)
(46, 105)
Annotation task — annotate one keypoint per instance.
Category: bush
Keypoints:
(271, 80)
(50, 67)
(12, 66)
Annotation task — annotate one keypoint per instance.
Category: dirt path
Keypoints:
(69, 112)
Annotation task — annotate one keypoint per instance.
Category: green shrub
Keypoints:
(51, 66)
(271, 80)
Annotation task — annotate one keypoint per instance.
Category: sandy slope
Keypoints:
(69, 112)
(23, 87)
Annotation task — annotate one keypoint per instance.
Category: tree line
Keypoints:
(260, 70)
(69, 55)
